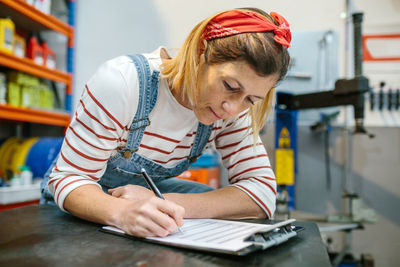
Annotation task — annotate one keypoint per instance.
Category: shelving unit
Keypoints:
(29, 19)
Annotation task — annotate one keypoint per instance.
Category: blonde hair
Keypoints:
(259, 50)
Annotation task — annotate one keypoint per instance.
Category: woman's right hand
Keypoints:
(141, 214)
(150, 217)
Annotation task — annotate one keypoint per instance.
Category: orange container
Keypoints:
(208, 176)
(49, 57)
(34, 51)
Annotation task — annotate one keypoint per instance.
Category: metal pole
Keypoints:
(357, 20)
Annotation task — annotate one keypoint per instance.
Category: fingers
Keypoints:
(148, 220)
(120, 191)
(113, 191)
(117, 192)
(158, 222)
(149, 216)
(172, 209)
(165, 222)
(161, 217)
(160, 225)
(145, 227)
(131, 192)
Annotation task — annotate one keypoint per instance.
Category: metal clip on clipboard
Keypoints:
(274, 237)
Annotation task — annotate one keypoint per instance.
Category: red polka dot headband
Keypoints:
(236, 21)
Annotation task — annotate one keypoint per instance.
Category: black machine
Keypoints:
(346, 92)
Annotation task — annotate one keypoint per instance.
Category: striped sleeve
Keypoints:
(95, 130)
(248, 166)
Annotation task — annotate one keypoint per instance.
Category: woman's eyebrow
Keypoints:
(241, 86)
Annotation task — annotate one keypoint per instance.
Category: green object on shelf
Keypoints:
(14, 94)
(23, 79)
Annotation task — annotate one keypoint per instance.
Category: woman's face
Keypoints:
(225, 90)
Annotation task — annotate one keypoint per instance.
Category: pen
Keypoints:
(154, 188)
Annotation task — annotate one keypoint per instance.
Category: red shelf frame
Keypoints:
(10, 112)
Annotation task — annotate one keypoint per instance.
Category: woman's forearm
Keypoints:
(89, 202)
(225, 203)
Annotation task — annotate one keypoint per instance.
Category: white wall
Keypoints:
(105, 29)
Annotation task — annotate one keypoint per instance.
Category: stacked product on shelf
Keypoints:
(21, 38)
(7, 29)
(25, 90)
(34, 51)
(40, 52)
(12, 41)
(22, 89)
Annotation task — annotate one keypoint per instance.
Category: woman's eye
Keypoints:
(227, 86)
(230, 88)
(251, 101)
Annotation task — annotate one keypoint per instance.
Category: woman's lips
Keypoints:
(215, 114)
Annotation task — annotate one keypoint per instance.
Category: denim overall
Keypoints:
(124, 168)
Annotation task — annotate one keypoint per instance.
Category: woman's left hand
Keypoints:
(131, 192)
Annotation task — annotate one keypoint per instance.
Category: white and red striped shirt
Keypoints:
(101, 124)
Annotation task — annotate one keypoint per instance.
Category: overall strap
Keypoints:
(200, 141)
(148, 90)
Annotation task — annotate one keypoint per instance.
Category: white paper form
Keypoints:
(213, 234)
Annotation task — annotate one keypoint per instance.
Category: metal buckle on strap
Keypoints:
(126, 153)
(194, 159)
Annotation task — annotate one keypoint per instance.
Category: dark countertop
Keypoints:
(45, 236)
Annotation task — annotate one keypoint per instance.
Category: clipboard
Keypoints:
(223, 236)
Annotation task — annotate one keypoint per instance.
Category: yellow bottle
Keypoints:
(7, 29)
(14, 94)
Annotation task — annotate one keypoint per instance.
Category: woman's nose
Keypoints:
(232, 107)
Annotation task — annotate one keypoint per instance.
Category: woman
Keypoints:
(159, 113)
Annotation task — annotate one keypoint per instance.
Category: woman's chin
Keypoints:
(206, 121)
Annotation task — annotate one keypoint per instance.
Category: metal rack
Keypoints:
(29, 18)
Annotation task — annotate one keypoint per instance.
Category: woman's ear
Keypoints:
(203, 48)
(202, 59)
(205, 45)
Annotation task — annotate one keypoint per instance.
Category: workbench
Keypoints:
(42, 235)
